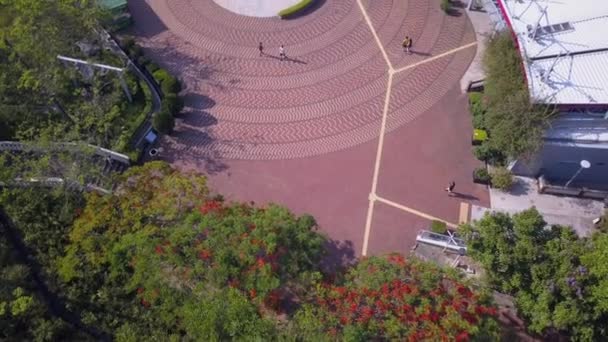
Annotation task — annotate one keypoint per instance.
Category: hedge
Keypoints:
(168, 83)
(445, 6)
(477, 109)
(502, 178)
(439, 227)
(173, 103)
(163, 122)
(299, 7)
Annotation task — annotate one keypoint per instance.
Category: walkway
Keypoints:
(578, 213)
(348, 107)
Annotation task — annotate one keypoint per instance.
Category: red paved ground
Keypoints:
(304, 132)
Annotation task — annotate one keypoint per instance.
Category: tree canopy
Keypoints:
(516, 125)
(557, 278)
(391, 298)
(164, 258)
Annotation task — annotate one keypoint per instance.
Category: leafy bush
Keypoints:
(171, 85)
(127, 43)
(143, 60)
(602, 226)
(481, 175)
(439, 227)
(163, 122)
(502, 178)
(300, 6)
(160, 75)
(478, 109)
(152, 67)
(135, 51)
(173, 104)
(515, 124)
(486, 153)
(445, 6)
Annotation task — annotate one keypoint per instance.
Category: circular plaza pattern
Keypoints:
(328, 95)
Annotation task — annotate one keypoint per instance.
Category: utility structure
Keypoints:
(90, 65)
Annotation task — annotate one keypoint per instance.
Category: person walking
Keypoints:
(282, 55)
(261, 48)
(405, 43)
(450, 188)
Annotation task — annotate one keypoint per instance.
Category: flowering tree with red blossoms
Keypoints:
(225, 271)
(391, 298)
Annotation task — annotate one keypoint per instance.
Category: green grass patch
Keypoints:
(297, 8)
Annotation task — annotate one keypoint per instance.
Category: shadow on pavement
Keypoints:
(147, 23)
(340, 254)
(463, 196)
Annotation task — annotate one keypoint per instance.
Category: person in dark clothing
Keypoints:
(450, 187)
(261, 48)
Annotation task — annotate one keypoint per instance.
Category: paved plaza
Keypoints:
(349, 128)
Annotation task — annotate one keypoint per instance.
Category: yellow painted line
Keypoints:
(428, 60)
(371, 27)
(372, 196)
(368, 223)
(414, 211)
(463, 216)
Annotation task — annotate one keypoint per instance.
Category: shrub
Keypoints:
(502, 178)
(478, 110)
(297, 8)
(515, 125)
(481, 175)
(486, 153)
(439, 227)
(160, 75)
(143, 61)
(163, 122)
(170, 85)
(127, 43)
(173, 104)
(602, 226)
(135, 51)
(445, 6)
(152, 67)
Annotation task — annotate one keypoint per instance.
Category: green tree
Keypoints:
(184, 262)
(515, 124)
(545, 268)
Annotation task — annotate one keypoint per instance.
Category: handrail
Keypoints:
(52, 182)
(70, 146)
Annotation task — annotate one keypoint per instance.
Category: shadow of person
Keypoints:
(463, 196)
(420, 53)
(295, 60)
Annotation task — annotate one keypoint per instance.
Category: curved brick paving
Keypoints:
(330, 97)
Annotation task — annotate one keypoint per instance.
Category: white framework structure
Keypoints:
(440, 240)
(120, 71)
(564, 47)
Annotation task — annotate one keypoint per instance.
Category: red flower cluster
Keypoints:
(205, 254)
(401, 299)
(210, 206)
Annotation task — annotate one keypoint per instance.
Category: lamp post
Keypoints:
(585, 164)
